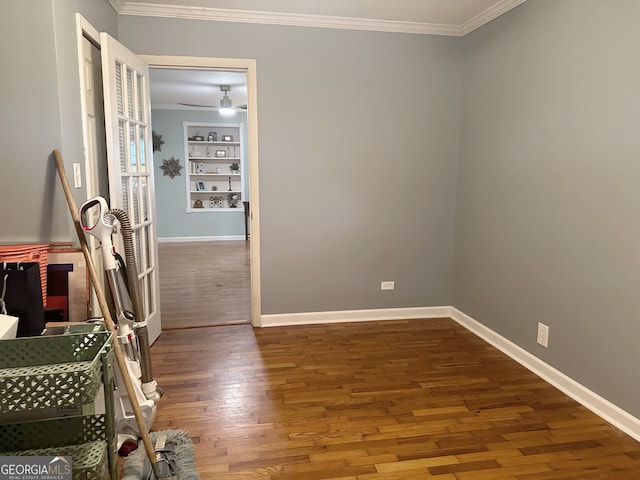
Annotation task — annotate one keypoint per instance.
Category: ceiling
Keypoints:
(169, 87)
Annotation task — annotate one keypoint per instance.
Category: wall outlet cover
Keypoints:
(543, 334)
(387, 285)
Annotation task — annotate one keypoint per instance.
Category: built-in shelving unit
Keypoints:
(215, 175)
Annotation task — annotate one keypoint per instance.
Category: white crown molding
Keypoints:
(117, 5)
(269, 18)
(125, 7)
(489, 14)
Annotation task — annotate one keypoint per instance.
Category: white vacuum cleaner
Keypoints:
(131, 322)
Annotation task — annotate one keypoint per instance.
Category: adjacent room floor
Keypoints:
(204, 284)
(394, 400)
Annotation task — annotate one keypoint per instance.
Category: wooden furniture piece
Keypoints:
(58, 289)
(247, 214)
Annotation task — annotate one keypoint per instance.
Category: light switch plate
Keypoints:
(77, 175)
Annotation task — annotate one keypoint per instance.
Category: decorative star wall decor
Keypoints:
(157, 141)
(171, 167)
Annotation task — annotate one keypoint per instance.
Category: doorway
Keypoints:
(203, 198)
(242, 284)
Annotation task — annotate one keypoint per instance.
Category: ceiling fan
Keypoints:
(225, 102)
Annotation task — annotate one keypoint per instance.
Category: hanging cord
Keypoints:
(3, 305)
(134, 291)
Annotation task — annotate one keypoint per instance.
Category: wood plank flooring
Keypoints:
(394, 400)
(204, 283)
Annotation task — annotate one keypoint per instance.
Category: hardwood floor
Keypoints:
(394, 400)
(204, 284)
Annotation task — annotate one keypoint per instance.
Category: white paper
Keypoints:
(8, 326)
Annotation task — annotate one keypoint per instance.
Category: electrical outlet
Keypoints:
(388, 285)
(77, 175)
(543, 334)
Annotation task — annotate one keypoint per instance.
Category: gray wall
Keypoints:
(548, 200)
(171, 197)
(30, 128)
(39, 99)
(358, 145)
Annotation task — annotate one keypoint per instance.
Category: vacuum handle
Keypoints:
(102, 228)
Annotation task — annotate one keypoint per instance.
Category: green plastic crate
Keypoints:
(88, 460)
(88, 439)
(42, 377)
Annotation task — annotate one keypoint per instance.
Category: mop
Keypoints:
(174, 455)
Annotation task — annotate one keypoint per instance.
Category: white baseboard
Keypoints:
(199, 239)
(309, 318)
(591, 400)
(600, 406)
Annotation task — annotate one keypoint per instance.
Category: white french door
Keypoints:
(129, 152)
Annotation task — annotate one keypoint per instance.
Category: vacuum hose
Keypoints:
(134, 292)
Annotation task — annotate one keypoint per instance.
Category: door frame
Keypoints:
(84, 30)
(249, 67)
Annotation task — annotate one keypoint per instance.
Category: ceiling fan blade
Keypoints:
(196, 105)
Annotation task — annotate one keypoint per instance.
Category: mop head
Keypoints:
(178, 459)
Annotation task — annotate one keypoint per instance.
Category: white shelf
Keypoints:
(215, 174)
(219, 209)
(224, 159)
(215, 192)
(217, 144)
